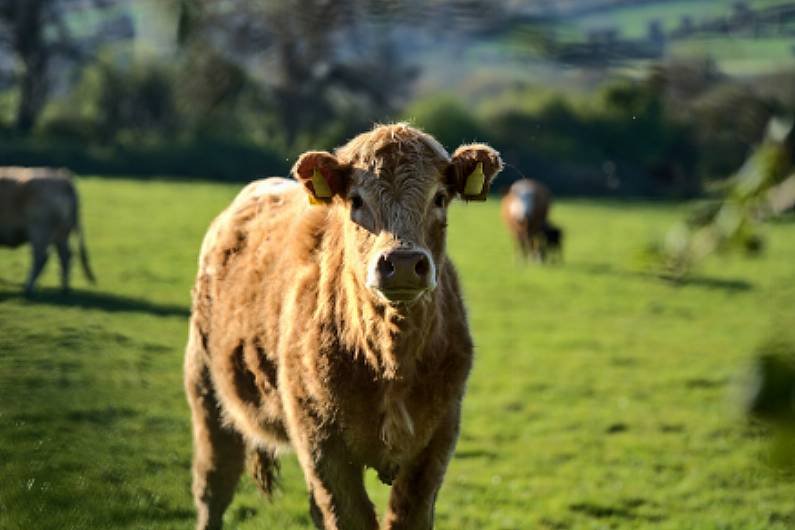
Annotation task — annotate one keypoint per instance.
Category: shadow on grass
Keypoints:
(626, 509)
(727, 284)
(101, 417)
(112, 303)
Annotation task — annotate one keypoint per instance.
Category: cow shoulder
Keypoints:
(245, 262)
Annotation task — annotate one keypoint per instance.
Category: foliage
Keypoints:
(213, 157)
(36, 35)
(733, 219)
(447, 119)
(775, 381)
(336, 65)
(112, 105)
(621, 142)
(599, 396)
(771, 388)
(134, 119)
(726, 116)
(682, 126)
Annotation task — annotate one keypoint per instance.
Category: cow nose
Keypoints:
(403, 270)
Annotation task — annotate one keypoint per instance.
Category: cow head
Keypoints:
(392, 187)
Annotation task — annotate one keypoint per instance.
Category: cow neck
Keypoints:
(390, 339)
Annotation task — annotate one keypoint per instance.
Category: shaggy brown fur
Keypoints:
(524, 211)
(289, 346)
(40, 206)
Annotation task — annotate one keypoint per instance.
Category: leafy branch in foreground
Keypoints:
(763, 188)
(770, 397)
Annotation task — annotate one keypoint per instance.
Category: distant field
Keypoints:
(735, 54)
(633, 21)
(740, 55)
(601, 397)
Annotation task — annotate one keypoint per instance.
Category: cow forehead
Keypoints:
(395, 162)
(399, 182)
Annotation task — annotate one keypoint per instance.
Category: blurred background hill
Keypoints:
(593, 97)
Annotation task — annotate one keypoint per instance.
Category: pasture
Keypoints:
(738, 54)
(602, 397)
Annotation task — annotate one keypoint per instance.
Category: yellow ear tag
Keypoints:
(475, 182)
(322, 191)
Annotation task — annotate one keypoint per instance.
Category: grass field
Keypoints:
(601, 396)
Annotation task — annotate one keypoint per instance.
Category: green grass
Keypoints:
(601, 397)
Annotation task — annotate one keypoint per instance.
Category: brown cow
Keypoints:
(336, 328)
(524, 211)
(40, 206)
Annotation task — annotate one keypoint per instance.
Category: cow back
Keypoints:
(35, 198)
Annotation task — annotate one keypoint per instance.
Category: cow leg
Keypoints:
(531, 249)
(536, 245)
(337, 497)
(524, 247)
(413, 495)
(65, 257)
(218, 451)
(541, 245)
(39, 244)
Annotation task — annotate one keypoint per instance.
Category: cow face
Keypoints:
(392, 186)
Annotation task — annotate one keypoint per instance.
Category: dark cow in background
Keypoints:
(524, 210)
(40, 206)
(553, 241)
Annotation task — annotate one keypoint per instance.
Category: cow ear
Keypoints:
(471, 170)
(322, 175)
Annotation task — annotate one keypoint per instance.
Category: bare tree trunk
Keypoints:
(32, 96)
(29, 43)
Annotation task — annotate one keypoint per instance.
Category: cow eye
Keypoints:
(439, 200)
(356, 202)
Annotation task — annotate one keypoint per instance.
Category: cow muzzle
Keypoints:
(402, 275)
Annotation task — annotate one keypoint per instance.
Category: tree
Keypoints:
(323, 64)
(762, 188)
(35, 32)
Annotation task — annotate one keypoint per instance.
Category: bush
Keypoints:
(447, 120)
(128, 121)
(201, 158)
(621, 143)
(111, 104)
